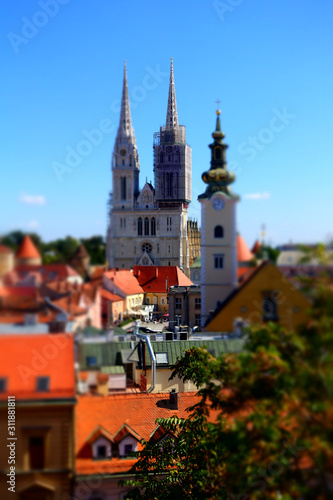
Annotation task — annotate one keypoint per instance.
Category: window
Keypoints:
(123, 188)
(197, 320)
(43, 384)
(101, 448)
(140, 226)
(161, 358)
(169, 223)
(101, 451)
(36, 452)
(128, 448)
(218, 232)
(269, 307)
(178, 303)
(146, 226)
(169, 183)
(217, 153)
(91, 361)
(197, 303)
(146, 247)
(3, 384)
(153, 226)
(218, 261)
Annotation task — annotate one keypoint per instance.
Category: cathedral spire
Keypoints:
(125, 129)
(172, 116)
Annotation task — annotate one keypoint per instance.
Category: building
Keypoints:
(109, 428)
(156, 282)
(27, 253)
(264, 294)
(184, 306)
(218, 229)
(6, 260)
(149, 226)
(122, 282)
(37, 371)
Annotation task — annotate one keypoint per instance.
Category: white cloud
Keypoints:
(32, 200)
(257, 196)
(33, 224)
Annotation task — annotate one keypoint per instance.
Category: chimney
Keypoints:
(173, 400)
(156, 272)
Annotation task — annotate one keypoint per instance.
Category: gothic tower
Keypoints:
(218, 229)
(149, 226)
(172, 157)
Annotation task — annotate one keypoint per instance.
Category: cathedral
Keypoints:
(150, 226)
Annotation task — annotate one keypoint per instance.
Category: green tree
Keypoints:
(95, 246)
(263, 425)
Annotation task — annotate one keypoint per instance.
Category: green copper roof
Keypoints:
(197, 262)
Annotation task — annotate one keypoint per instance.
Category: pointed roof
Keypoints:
(172, 115)
(27, 249)
(256, 247)
(125, 129)
(243, 251)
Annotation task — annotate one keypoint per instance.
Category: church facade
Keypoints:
(150, 226)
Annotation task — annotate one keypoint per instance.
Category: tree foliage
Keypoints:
(263, 425)
(60, 250)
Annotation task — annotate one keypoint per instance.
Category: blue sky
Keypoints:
(269, 63)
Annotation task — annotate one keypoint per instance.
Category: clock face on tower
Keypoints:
(169, 149)
(218, 203)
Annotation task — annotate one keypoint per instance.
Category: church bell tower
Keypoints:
(218, 229)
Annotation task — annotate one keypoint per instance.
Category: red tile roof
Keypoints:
(112, 297)
(157, 278)
(27, 249)
(243, 251)
(23, 358)
(124, 280)
(137, 411)
(256, 247)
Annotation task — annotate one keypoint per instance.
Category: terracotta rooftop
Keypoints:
(158, 278)
(256, 247)
(124, 280)
(27, 249)
(24, 358)
(105, 294)
(137, 411)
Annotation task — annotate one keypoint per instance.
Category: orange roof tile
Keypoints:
(23, 358)
(137, 411)
(124, 280)
(112, 297)
(27, 249)
(256, 247)
(157, 278)
(243, 251)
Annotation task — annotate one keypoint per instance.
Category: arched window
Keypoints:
(123, 188)
(153, 226)
(130, 160)
(146, 226)
(161, 157)
(218, 153)
(218, 232)
(140, 226)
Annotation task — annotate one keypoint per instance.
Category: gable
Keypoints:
(246, 302)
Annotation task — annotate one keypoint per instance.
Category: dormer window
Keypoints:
(127, 446)
(43, 384)
(101, 448)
